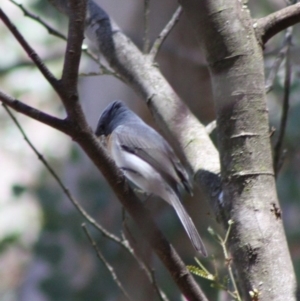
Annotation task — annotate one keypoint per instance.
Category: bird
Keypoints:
(147, 160)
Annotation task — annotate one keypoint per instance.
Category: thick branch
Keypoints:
(225, 32)
(59, 124)
(272, 24)
(67, 88)
(77, 10)
(73, 49)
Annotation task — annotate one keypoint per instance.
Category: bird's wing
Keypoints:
(147, 144)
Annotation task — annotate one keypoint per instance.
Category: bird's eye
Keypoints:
(100, 130)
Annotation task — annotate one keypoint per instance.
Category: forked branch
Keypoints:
(77, 127)
(272, 24)
(56, 123)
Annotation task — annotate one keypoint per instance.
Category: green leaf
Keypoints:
(200, 272)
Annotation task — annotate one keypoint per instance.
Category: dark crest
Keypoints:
(109, 118)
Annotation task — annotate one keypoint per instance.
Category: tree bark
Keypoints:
(227, 37)
(257, 241)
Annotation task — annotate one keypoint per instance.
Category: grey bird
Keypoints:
(147, 160)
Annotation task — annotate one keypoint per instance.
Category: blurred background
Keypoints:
(44, 253)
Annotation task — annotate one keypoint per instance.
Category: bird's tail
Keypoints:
(188, 225)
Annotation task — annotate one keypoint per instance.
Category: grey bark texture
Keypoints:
(258, 244)
(226, 35)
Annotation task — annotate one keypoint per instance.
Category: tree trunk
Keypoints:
(257, 242)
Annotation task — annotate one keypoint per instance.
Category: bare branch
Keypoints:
(29, 14)
(58, 34)
(285, 105)
(69, 92)
(106, 264)
(146, 26)
(73, 49)
(31, 53)
(59, 124)
(165, 32)
(39, 155)
(162, 296)
(275, 67)
(229, 263)
(104, 71)
(272, 24)
(128, 236)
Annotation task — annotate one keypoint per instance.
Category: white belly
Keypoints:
(138, 171)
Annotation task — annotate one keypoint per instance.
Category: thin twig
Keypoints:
(213, 277)
(89, 74)
(228, 260)
(31, 53)
(162, 296)
(128, 236)
(164, 33)
(226, 255)
(279, 58)
(277, 63)
(204, 273)
(275, 68)
(146, 26)
(285, 105)
(29, 14)
(53, 31)
(104, 71)
(105, 262)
